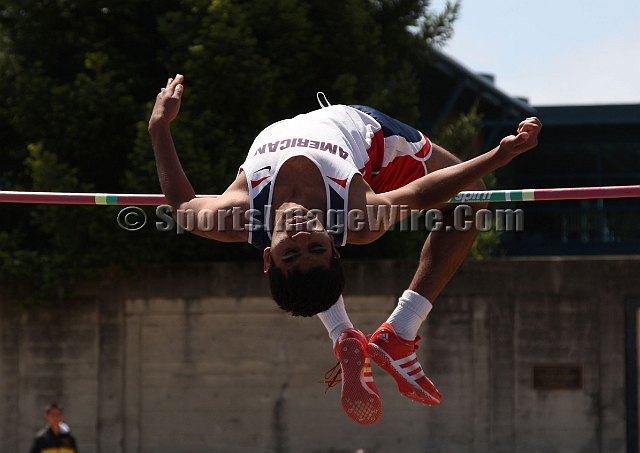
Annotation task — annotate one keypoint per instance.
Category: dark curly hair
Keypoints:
(310, 292)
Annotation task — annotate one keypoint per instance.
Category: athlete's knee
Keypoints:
(476, 186)
(440, 158)
(479, 186)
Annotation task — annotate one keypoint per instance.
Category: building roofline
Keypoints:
(583, 115)
(480, 84)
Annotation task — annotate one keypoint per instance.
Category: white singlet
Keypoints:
(341, 141)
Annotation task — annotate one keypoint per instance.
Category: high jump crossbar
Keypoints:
(574, 193)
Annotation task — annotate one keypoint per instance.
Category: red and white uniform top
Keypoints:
(341, 141)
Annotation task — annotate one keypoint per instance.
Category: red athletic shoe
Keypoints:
(360, 398)
(398, 358)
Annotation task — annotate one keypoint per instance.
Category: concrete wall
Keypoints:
(199, 358)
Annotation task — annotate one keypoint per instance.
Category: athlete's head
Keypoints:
(303, 265)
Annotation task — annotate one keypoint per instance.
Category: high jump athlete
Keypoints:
(315, 182)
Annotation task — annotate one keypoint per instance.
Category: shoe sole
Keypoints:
(359, 403)
(406, 385)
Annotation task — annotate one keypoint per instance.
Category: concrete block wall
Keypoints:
(199, 358)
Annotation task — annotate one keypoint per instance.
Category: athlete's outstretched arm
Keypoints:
(430, 190)
(174, 183)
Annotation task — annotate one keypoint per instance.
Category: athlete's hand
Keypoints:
(526, 139)
(168, 102)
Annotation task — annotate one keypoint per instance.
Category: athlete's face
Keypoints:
(298, 241)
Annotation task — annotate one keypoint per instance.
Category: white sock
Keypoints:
(412, 309)
(336, 320)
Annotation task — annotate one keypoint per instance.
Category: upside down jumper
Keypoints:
(343, 141)
(300, 180)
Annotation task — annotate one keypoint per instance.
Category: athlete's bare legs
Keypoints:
(444, 251)
(393, 345)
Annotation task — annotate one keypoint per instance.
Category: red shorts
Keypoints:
(402, 148)
(398, 173)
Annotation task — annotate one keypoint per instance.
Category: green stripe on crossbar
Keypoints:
(515, 195)
(498, 195)
(106, 198)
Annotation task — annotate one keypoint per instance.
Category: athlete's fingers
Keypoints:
(173, 83)
(522, 124)
(531, 124)
(525, 127)
(531, 128)
(177, 93)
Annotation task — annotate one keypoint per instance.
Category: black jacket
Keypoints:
(47, 442)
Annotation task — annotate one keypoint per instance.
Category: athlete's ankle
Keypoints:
(408, 316)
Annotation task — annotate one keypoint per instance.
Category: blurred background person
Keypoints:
(56, 436)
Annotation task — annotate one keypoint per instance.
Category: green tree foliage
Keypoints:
(77, 78)
(73, 77)
(461, 138)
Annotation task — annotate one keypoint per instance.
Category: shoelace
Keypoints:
(332, 377)
(415, 344)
